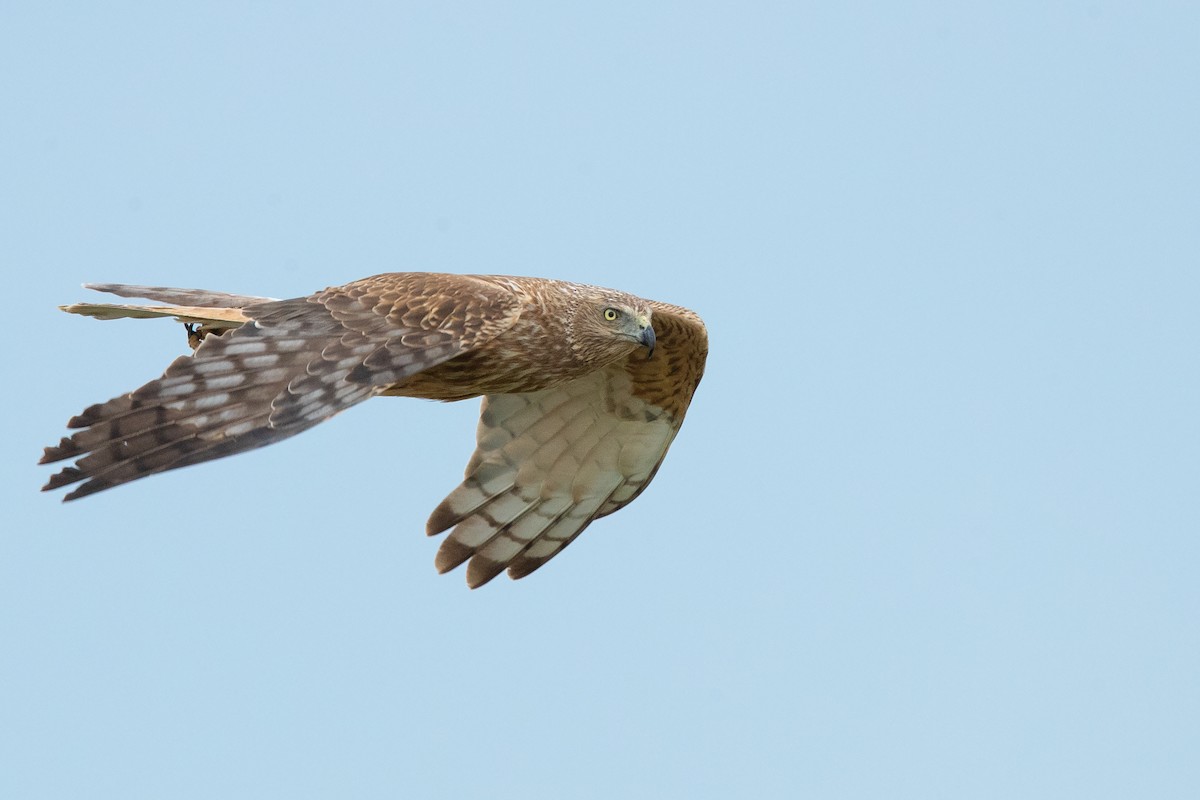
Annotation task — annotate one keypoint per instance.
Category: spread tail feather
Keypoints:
(182, 297)
(216, 310)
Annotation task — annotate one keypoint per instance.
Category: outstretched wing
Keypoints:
(547, 463)
(295, 364)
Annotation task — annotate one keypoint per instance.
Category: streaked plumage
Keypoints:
(576, 417)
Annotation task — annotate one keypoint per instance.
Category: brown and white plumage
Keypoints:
(576, 417)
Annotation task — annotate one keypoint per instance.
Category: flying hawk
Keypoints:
(583, 391)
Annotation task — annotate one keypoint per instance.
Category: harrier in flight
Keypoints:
(583, 391)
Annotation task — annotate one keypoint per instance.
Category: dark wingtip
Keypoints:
(64, 449)
(442, 519)
(85, 418)
(450, 555)
(64, 477)
(481, 570)
(91, 487)
(523, 567)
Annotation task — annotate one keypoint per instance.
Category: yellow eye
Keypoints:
(611, 314)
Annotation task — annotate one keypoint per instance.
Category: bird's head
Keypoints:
(608, 325)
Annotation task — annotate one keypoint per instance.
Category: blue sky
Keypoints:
(930, 528)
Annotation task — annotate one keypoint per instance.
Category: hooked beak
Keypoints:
(648, 339)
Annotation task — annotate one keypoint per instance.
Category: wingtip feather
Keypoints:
(64, 477)
(451, 554)
(481, 570)
(442, 519)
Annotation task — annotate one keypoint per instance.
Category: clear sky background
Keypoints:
(930, 529)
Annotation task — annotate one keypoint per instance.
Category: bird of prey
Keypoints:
(583, 390)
